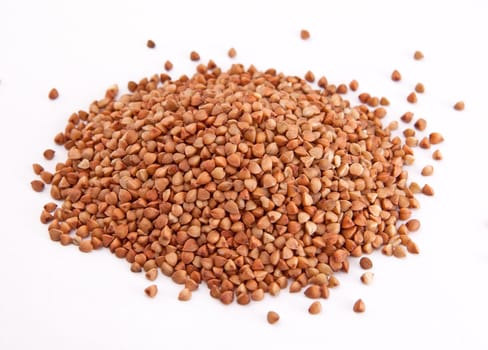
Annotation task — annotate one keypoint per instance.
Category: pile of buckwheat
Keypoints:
(249, 181)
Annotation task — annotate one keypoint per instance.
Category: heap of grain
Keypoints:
(244, 180)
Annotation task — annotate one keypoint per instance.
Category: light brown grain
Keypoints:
(419, 88)
(407, 117)
(315, 308)
(49, 154)
(415, 187)
(194, 56)
(367, 277)
(412, 97)
(437, 155)
(399, 251)
(312, 292)
(86, 246)
(408, 132)
(412, 247)
(353, 85)
(323, 83)
(359, 306)
(427, 190)
(420, 124)
(459, 106)
(435, 138)
(184, 295)
(373, 101)
(37, 185)
(151, 291)
(413, 225)
(232, 52)
(168, 65)
(272, 317)
(152, 274)
(310, 77)
(418, 55)
(396, 76)
(37, 168)
(365, 263)
(50, 207)
(427, 170)
(341, 89)
(364, 97)
(424, 143)
(304, 34)
(53, 94)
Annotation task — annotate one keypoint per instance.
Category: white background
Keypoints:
(54, 297)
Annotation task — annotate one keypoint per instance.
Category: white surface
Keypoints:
(54, 297)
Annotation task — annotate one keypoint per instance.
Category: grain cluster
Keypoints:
(249, 181)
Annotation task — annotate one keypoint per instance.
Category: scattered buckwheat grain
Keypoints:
(420, 124)
(168, 65)
(151, 291)
(396, 76)
(315, 308)
(407, 117)
(184, 295)
(194, 56)
(459, 106)
(427, 170)
(437, 155)
(53, 94)
(37, 185)
(419, 87)
(272, 317)
(232, 52)
(310, 77)
(412, 97)
(49, 154)
(367, 277)
(304, 34)
(427, 190)
(359, 306)
(353, 85)
(435, 138)
(365, 263)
